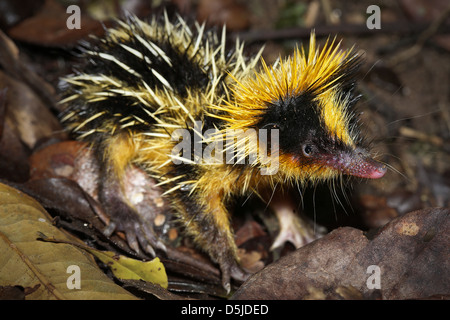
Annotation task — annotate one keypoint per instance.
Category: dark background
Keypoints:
(404, 83)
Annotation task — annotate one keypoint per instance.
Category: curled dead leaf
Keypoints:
(410, 254)
(41, 267)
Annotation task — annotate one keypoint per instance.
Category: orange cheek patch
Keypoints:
(295, 169)
(290, 159)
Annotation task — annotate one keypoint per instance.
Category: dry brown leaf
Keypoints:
(224, 12)
(42, 267)
(26, 113)
(48, 27)
(411, 252)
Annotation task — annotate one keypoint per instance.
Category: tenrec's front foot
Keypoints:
(232, 270)
(139, 234)
(131, 209)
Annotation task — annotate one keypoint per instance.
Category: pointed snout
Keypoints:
(357, 163)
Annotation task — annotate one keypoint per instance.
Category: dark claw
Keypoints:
(132, 241)
(238, 273)
(147, 234)
(110, 228)
(231, 269)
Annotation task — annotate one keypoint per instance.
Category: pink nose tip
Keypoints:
(359, 165)
(365, 167)
(377, 172)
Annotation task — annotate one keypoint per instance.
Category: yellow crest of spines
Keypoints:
(315, 72)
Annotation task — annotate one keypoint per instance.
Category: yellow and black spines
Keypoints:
(146, 85)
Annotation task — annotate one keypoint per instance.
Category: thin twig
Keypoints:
(325, 30)
(421, 40)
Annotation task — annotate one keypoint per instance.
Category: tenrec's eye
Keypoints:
(307, 150)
